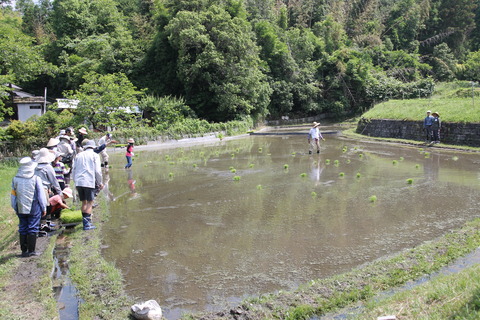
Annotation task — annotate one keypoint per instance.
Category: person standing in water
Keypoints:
(314, 137)
(129, 154)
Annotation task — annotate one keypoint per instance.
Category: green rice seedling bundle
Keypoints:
(373, 199)
(237, 178)
(303, 175)
(285, 166)
(409, 181)
(71, 216)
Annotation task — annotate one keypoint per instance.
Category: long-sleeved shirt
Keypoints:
(314, 134)
(427, 121)
(87, 171)
(46, 172)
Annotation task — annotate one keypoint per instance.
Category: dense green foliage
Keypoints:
(230, 59)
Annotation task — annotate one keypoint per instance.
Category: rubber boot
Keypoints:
(31, 244)
(23, 245)
(87, 221)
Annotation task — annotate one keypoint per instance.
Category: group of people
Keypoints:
(42, 183)
(432, 126)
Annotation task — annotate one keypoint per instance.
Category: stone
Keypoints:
(148, 310)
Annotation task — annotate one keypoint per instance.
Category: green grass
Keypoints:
(447, 297)
(99, 283)
(450, 109)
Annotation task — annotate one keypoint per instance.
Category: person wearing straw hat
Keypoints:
(30, 204)
(436, 125)
(314, 137)
(129, 153)
(105, 141)
(82, 132)
(87, 175)
(57, 203)
(46, 172)
(52, 144)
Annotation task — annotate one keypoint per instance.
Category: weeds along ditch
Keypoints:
(200, 228)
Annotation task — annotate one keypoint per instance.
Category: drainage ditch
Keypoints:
(64, 291)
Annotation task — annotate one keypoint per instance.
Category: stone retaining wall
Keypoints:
(451, 133)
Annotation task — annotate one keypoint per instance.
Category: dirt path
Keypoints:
(19, 295)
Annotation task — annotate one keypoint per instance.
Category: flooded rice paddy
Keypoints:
(200, 228)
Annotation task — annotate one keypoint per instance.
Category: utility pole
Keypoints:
(473, 83)
(44, 101)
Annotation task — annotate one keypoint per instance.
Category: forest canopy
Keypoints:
(231, 59)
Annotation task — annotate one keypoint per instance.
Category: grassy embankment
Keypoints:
(98, 282)
(453, 101)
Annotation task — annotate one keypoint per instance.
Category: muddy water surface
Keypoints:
(185, 233)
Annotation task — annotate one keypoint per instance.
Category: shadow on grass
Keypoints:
(5, 258)
(471, 310)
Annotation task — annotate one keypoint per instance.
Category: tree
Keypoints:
(443, 63)
(472, 67)
(218, 64)
(20, 60)
(105, 100)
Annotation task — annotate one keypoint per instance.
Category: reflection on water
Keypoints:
(185, 233)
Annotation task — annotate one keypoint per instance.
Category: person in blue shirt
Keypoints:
(427, 125)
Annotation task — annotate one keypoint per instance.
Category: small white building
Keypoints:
(26, 105)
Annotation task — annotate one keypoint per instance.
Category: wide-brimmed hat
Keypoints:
(436, 113)
(428, 111)
(88, 144)
(82, 130)
(131, 140)
(27, 167)
(62, 132)
(53, 142)
(45, 156)
(68, 192)
(315, 124)
(35, 153)
(64, 137)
